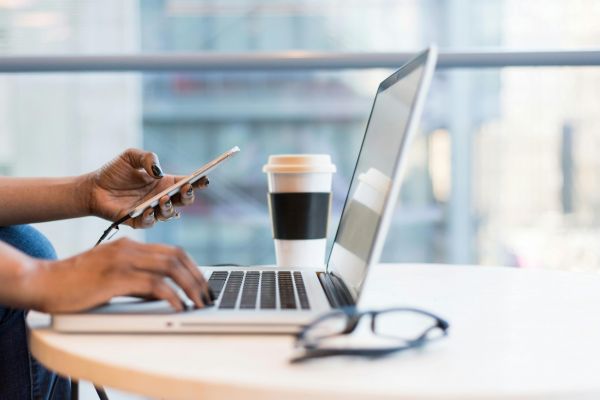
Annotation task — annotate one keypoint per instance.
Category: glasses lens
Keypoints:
(405, 325)
(333, 324)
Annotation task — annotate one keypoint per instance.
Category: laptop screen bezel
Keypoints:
(427, 60)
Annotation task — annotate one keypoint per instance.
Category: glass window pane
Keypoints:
(503, 171)
(130, 26)
(190, 118)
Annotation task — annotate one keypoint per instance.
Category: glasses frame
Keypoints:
(353, 317)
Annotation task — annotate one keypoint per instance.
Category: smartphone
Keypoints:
(193, 177)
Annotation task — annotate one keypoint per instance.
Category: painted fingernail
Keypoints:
(157, 171)
(206, 299)
(190, 192)
(150, 217)
(168, 204)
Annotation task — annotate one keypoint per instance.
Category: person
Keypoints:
(32, 278)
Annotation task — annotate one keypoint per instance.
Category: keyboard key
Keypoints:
(217, 281)
(231, 286)
(267, 290)
(287, 299)
(232, 290)
(301, 290)
(250, 290)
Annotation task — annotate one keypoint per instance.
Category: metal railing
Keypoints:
(287, 61)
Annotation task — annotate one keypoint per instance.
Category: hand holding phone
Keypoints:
(175, 188)
(170, 191)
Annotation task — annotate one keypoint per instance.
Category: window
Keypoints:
(503, 172)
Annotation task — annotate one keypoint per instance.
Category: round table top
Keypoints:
(526, 334)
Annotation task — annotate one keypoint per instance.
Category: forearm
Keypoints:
(29, 200)
(16, 271)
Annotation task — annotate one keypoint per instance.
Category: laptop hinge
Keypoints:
(336, 290)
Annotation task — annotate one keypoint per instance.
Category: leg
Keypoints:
(21, 376)
(15, 371)
(74, 390)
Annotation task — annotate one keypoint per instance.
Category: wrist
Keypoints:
(46, 284)
(29, 282)
(84, 189)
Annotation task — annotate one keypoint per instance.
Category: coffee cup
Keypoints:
(299, 205)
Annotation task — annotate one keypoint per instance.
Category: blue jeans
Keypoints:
(21, 376)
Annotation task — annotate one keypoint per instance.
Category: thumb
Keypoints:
(145, 159)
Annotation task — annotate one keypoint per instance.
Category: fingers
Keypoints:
(185, 260)
(142, 268)
(152, 285)
(174, 263)
(201, 183)
(191, 266)
(144, 159)
(170, 266)
(144, 221)
(166, 206)
(165, 209)
(207, 294)
(186, 195)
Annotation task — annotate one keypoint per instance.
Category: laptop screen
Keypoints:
(383, 143)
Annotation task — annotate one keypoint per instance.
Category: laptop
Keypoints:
(271, 300)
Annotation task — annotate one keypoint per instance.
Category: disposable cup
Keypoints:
(299, 206)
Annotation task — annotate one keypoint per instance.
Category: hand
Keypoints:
(119, 268)
(132, 177)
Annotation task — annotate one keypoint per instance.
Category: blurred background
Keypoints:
(503, 172)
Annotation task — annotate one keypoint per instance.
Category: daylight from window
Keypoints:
(503, 171)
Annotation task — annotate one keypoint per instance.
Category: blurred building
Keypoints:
(64, 124)
(283, 112)
(504, 171)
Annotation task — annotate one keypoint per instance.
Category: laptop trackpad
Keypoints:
(134, 305)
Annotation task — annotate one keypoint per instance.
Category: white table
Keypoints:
(515, 334)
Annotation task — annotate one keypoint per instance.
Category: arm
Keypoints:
(28, 200)
(122, 267)
(109, 192)
(16, 267)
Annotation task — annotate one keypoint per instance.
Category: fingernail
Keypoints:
(190, 192)
(168, 204)
(157, 171)
(150, 217)
(205, 299)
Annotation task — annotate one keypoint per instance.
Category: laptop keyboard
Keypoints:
(266, 290)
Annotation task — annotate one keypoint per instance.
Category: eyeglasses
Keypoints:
(391, 330)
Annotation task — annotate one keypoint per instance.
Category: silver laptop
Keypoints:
(267, 299)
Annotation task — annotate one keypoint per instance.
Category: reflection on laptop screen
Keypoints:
(369, 189)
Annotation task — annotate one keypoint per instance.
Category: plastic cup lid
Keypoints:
(299, 164)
